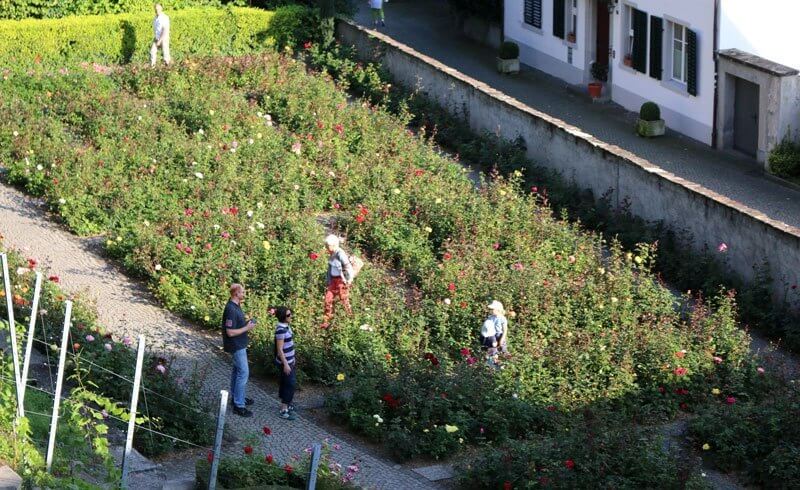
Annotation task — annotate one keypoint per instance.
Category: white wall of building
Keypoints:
(687, 114)
(542, 50)
(766, 28)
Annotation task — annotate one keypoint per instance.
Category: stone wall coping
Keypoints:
(583, 137)
(757, 62)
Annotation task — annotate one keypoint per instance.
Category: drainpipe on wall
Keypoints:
(714, 122)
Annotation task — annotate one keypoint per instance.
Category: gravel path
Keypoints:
(125, 306)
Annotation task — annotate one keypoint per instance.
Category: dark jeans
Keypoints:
(287, 384)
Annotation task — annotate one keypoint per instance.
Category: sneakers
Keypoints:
(287, 415)
(248, 402)
(242, 412)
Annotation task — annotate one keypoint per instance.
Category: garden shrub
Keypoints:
(509, 50)
(114, 39)
(784, 159)
(48, 9)
(650, 112)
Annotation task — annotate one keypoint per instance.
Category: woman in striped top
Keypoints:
(284, 359)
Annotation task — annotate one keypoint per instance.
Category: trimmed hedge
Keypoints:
(52, 9)
(122, 38)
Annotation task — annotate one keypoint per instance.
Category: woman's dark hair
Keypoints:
(282, 313)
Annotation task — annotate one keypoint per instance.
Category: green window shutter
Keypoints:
(691, 54)
(533, 13)
(559, 10)
(656, 46)
(639, 55)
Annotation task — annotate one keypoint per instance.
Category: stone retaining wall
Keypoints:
(654, 193)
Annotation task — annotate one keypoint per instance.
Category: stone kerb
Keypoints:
(654, 193)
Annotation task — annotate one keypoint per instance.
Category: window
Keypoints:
(573, 19)
(680, 60)
(629, 29)
(533, 13)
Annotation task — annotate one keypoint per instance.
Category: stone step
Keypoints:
(9, 479)
(182, 484)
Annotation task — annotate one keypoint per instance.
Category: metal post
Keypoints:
(312, 471)
(13, 328)
(137, 379)
(62, 358)
(31, 327)
(223, 407)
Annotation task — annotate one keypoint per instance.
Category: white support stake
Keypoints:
(137, 380)
(223, 407)
(62, 359)
(13, 328)
(31, 327)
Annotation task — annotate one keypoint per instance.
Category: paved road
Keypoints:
(426, 26)
(126, 307)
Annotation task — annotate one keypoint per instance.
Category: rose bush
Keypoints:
(233, 169)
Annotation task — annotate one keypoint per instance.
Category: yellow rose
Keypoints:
(266, 244)
(211, 112)
(396, 190)
(715, 391)
(638, 260)
(206, 318)
(109, 242)
(340, 377)
(450, 428)
(428, 229)
(438, 200)
(706, 447)
(503, 193)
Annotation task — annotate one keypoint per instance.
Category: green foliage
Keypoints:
(650, 112)
(784, 159)
(587, 453)
(509, 50)
(48, 9)
(294, 25)
(259, 470)
(599, 72)
(113, 39)
(756, 435)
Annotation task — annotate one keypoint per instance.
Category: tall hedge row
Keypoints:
(126, 37)
(50, 9)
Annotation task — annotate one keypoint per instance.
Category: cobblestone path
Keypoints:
(126, 307)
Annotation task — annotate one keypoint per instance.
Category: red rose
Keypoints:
(54, 279)
(463, 304)
(267, 431)
(496, 245)
(339, 129)
(32, 263)
(684, 406)
(313, 256)
(447, 256)
(730, 400)
(451, 286)
(307, 45)
(551, 408)
(534, 189)
(363, 210)
(680, 354)
(210, 456)
(680, 371)
(507, 485)
(288, 469)
(76, 346)
(269, 459)
(418, 172)
(248, 449)
(662, 390)
(465, 352)
(569, 464)
(360, 218)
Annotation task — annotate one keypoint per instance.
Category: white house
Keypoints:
(713, 66)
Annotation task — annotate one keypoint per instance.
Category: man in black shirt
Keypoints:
(234, 341)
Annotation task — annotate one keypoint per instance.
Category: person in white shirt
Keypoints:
(376, 6)
(161, 30)
(494, 331)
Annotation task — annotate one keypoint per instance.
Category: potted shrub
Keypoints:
(600, 75)
(571, 37)
(627, 60)
(508, 58)
(650, 123)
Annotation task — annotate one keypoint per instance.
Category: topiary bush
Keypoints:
(509, 51)
(650, 112)
(115, 39)
(784, 159)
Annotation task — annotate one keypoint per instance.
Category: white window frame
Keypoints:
(629, 29)
(572, 18)
(674, 42)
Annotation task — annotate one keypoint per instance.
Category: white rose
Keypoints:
(158, 267)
